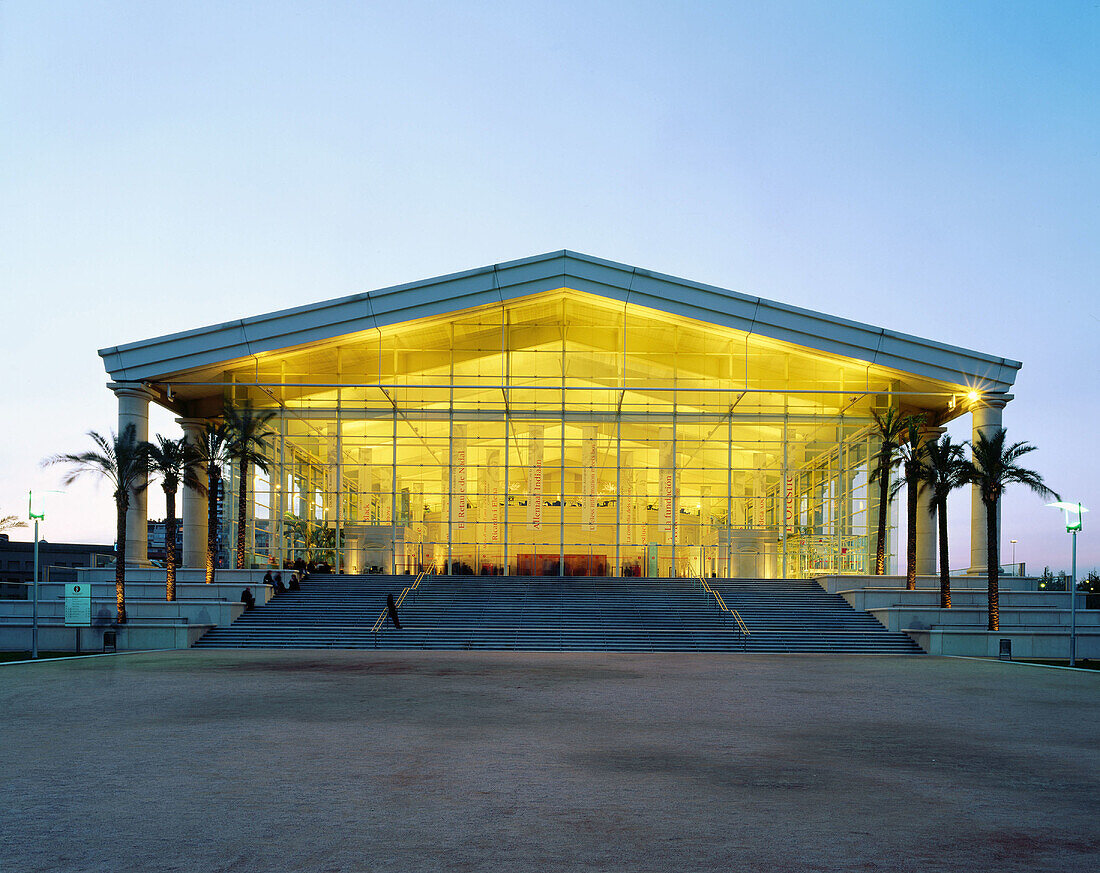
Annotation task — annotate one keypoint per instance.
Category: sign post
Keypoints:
(78, 607)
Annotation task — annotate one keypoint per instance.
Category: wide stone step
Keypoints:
(582, 614)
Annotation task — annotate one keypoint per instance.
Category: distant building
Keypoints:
(17, 562)
(158, 531)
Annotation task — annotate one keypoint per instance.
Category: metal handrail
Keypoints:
(429, 570)
(732, 613)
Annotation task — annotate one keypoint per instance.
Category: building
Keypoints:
(17, 562)
(559, 415)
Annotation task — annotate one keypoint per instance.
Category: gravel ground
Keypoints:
(350, 760)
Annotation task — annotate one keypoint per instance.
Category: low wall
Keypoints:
(880, 598)
(1048, 644)
(240, 578)
(904, 618)
(836, 584)
(16, 637)
(215, 613)
(230, 591)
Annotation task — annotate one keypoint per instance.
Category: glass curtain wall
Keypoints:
(563, 434)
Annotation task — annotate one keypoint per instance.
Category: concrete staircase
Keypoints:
(573, 614)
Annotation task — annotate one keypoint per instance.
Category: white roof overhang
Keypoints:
(158, 358)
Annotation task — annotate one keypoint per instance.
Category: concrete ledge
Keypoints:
(183, 574)
(836, 584)
(218, 613)
(230, 591)
(879, 598)
(135, 634)
(970, 642)
(905, 618)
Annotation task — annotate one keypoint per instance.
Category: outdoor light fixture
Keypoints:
(36, 512)
(1074, 512)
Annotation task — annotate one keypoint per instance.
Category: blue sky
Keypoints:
(927, 167)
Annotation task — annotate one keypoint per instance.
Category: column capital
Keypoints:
(992, 400)
(132, 389)
(192, 423)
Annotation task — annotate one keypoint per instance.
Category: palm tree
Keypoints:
(889, 427)
(912, 453)
(318, 543)
(211, 452)
(992, 466)
(10, 522)
(944, 469)
(174, 461)
(247, 443)
(120, 460)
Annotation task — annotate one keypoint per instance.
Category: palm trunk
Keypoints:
(242, 506)
(911, 533)
(121, 505)
(945, 572)
(992, 562)
(170, 544)
(214, 480)
(883, 504)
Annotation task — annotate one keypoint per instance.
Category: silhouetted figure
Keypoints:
(268, 580)
(294, 586)
(248, 599)
(300, 565)
(280, 588)
(391, 608)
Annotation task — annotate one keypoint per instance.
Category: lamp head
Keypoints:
(1073, 512)
(36, 504)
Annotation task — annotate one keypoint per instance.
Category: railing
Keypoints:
(733, 614)
(427, 571)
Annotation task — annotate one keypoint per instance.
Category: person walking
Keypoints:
(391, 608)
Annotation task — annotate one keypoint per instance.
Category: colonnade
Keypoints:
(133, 408)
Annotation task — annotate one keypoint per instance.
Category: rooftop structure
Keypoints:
(560, 415)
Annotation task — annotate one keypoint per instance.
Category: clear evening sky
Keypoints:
(927, 167)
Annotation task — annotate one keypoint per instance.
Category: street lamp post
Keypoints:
(36, 512)
(1015, 568)
(34, 584)
(1073, 512)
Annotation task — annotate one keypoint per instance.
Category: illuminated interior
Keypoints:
(564, 434)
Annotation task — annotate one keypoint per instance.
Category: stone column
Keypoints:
(133, 408)
(926, 526)
(194, 509)
(986, 417)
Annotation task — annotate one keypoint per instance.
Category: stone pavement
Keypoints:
(464, 761)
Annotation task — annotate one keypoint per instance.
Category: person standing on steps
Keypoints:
(391, 608)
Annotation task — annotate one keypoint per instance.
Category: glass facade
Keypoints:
(564, 434)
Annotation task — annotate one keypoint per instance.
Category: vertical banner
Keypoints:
(589, 479)
(758, 504)
(366, 486)
(788, 504)
(626, 498)
(534, 478)
(458, 477)
(492, 497)
(665, 509)
(641, 500)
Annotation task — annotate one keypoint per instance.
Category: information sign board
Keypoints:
(78, 604)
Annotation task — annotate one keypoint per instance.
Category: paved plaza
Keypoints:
(463, 761)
